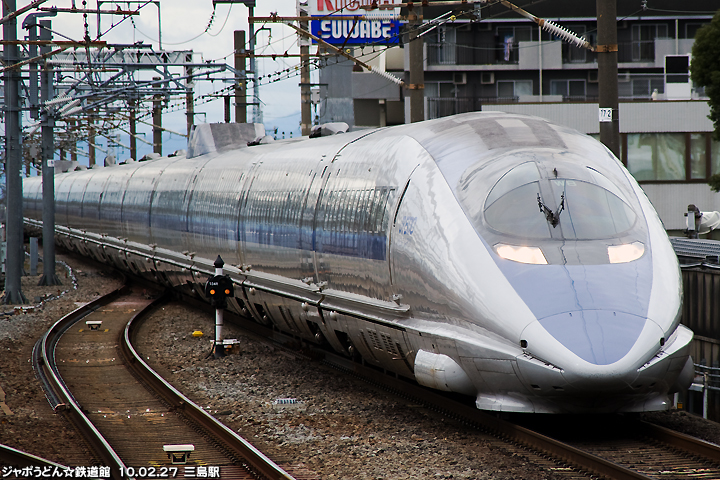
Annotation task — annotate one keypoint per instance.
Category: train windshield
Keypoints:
(544, 202)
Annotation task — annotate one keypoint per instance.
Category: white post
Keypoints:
(540, 61)
(219, 350)
(705, 395)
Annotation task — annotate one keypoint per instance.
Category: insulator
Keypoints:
(387, 76)
(563, 33)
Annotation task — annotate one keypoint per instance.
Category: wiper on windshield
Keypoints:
(550, 216)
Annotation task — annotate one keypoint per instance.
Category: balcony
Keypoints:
(454, 54)
(525, 54)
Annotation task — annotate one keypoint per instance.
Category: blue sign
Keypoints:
(356, 32)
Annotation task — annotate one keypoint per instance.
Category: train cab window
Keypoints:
(590, 211)
(574, 203)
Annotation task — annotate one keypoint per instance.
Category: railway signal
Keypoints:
(218, 288)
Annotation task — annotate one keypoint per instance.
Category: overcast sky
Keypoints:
(183, 28)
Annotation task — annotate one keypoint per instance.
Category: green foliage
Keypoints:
(705, 67)
(714, 182)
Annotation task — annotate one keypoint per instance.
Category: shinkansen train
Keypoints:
(495, 255)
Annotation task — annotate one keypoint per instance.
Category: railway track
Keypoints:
(627, 448)
(630, 450)
(90, 372)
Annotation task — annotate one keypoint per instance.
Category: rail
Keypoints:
(63, 402)
(59, 395)
(19, 459)
(234, 442)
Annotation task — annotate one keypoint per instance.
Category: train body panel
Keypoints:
(489, 254)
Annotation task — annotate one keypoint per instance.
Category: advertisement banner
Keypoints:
(379, 27)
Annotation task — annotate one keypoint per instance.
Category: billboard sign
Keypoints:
(379, 27)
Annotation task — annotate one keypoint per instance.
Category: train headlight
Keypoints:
(625, 253)
(521, 254)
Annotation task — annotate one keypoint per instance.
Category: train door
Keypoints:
(309, 219)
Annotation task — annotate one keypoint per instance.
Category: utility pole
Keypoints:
(157, 120)
(305, 100)
(256, 115)
(13, 161)
(607, 49)
(189, 100)
(73, 140)
(48, 165)
(91, 139)
(253, 65)
(132, 104)
(240, 83)
(415, 87)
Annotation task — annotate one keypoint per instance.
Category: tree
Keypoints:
(705, 67)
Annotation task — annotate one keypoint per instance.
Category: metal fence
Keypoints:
(707, 379)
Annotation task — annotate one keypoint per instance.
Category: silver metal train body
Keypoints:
(495, 255)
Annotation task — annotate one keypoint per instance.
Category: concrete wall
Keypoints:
(635, 117)
(671, 201)
(529, 56)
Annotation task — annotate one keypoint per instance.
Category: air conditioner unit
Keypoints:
(487, 78)
(459, 78)
(592, 76)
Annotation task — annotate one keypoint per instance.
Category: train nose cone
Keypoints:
(599, 337)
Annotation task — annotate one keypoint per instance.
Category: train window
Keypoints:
(524, 173)
(605, 183)
(264, 206)
(342, 210)
(591, 211)
(353, 210)
(287, 210)
(358, 213)
(272, 208)
(516, 213)
(581, 204)
(327, 200)
(337, 199)
(377, 206)
(347, 214)
(387, 204)
(333, 201)
(363, 207)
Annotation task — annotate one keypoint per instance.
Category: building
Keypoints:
(505, 62)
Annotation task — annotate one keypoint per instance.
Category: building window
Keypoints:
(671, 156)
(508, 39)
(715, 157)
(440, 90)
(511, 89)
(698, 155)
(655, 156)
(641, 86)
(571, 52)
(643, 41)
(569, 89)
(691, 29)
(444, 45)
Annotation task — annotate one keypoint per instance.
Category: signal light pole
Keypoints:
(218, 288)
